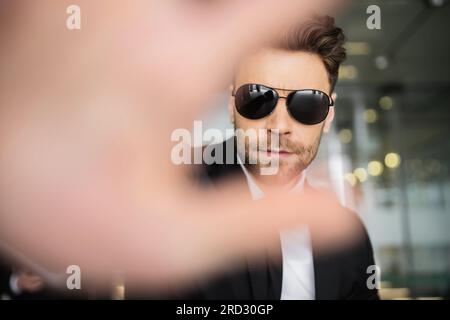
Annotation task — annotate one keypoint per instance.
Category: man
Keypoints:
(288, 90)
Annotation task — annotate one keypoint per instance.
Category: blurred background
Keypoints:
(388, 155)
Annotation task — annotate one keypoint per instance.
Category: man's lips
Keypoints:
(280, 153)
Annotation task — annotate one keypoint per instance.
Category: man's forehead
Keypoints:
(283, 69)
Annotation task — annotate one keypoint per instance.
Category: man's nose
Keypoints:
(280, 118)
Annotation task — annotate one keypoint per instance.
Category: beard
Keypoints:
(302, 156)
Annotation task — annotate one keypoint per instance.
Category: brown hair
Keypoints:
(319, 35)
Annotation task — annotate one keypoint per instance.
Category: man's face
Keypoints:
(285, 70)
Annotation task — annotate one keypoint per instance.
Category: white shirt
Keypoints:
(298, 267)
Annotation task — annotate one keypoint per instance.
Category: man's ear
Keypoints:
(330, 115)
(334, 96)
(231, 105)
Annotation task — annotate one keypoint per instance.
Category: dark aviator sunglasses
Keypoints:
(307, 106)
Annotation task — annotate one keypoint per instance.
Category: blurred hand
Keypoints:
(85, 123)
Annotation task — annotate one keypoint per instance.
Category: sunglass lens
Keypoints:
(254, 101)
(308, 106)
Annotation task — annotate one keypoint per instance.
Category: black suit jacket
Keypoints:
(338, 274)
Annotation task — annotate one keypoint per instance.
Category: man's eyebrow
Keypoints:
(283, 90)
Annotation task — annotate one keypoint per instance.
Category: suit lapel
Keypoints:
(265, 277)
(258, 276)
(276, 275)
(325, 278)
(325, 273)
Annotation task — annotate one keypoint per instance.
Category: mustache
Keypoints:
(285, 145)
